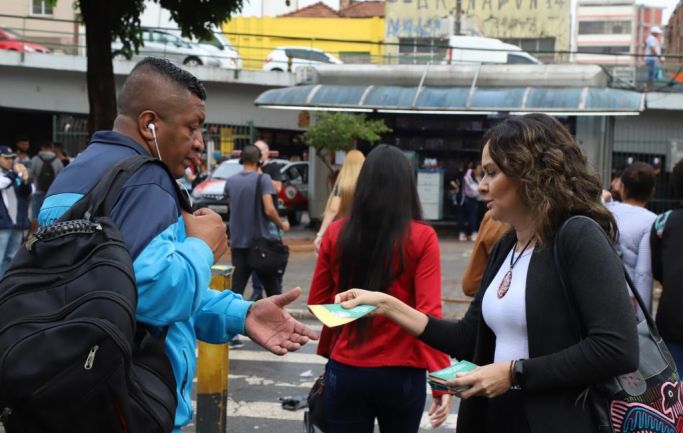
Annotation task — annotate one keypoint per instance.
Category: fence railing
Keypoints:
(252, 52)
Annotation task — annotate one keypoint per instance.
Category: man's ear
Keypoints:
(143, 120)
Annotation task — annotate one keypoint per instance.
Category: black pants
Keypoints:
(507, 414)
(243, 271)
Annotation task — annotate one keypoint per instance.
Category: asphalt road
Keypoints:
(257, 381)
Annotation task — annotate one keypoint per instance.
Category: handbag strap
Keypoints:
(569, 296)
(257, 199)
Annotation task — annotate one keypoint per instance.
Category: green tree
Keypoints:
(334, 131)
(106, 20)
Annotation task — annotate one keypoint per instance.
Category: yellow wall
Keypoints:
(278, 31)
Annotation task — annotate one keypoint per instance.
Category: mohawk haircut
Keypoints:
(152, 69)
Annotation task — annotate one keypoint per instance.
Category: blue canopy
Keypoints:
(568, 100)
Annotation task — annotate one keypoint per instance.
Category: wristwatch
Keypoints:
(519, 374)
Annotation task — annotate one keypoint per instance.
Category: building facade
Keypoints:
(540, 27)
(349, 34)
(674, 35)
(37, 21)
(613, 29)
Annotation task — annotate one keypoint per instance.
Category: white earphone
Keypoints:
(152, 127)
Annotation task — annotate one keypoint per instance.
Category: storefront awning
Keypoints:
(573, 101)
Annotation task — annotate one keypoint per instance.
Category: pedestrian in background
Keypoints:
(45, 167)
(470, 207)
(667, 268)
(653, 56)
(635, 224)
(490, 232)
(376, 370)
(16, 194)
(22, 147)
(532, 364)
(340, 199)
(249, 218)
(272, 169)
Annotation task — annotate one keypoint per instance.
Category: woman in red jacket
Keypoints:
(376, 370)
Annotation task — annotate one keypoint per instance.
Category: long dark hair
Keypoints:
(556, 180)
(371, 243)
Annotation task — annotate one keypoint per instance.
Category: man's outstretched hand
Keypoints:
(271, 326)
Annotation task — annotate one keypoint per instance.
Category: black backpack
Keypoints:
(46, 175)
(72, 357)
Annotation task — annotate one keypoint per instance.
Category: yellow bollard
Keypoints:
(212, 370)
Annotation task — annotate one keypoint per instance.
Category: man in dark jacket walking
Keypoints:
(16, 193)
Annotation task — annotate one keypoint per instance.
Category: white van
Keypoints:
(477, 49)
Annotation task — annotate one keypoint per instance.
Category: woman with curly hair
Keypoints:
(521, 328)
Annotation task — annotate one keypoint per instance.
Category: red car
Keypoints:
(13, 42)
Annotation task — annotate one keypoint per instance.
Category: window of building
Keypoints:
(421, 50)
(541, 48)
(40, 8)
(604, 27)
(605, 49)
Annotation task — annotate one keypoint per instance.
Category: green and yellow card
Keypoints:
(438, 379)
(334, 314)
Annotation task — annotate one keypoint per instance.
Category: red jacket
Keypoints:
(388, 345)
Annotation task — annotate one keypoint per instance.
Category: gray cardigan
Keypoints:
(561, 363)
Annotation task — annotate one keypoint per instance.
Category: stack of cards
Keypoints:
(438, 379)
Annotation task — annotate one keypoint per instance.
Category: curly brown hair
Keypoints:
(556, 181)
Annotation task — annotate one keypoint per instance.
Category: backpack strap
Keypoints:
(100, 200)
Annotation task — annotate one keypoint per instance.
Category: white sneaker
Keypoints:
(473, 237)
(463, 237)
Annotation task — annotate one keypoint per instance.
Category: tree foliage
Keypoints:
(339, 131)
(107, 20)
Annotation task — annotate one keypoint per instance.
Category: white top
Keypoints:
(634, 225)
(506, 316)
(652, 47)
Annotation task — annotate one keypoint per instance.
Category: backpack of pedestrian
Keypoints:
(46, 175)
(72, 356)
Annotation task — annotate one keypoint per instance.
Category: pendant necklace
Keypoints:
(507, 279)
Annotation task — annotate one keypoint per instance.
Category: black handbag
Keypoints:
(648, 399)
(315, 416)
(267, 256)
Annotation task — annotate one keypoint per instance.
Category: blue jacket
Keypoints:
(22, 190)
(172, 270)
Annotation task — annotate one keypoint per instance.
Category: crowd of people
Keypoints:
(25, 179)
(532, 362)
(534, 184)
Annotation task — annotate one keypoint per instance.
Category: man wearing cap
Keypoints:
(653, 55)
(16, 193)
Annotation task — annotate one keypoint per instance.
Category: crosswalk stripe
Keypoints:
(269, 410)
(263, 355)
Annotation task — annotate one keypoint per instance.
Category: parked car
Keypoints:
(13, 42)
(162, 43)
(292, 199)
(477, 49)
(219, 46)
(278, 59)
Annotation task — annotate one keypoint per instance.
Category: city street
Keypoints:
(258, 379)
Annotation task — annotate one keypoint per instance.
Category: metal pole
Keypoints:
(213, 368)
(458, 15)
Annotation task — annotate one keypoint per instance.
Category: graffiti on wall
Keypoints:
(494, 18)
